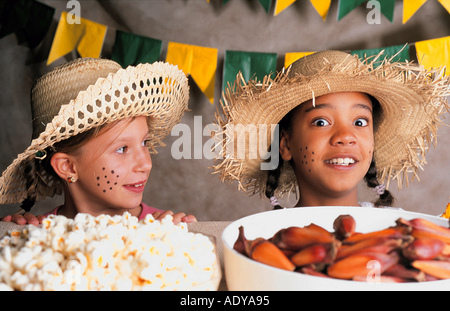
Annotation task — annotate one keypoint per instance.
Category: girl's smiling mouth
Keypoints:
(341, 161)
(136, 187)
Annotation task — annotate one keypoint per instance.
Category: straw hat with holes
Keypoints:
(412, 100)
(88, 93)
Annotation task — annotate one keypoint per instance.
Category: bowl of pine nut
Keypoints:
(337, 248)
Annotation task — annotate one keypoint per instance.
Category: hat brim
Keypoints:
(157, 90)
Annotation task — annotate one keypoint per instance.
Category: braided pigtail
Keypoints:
(31, 176)
(273, 176)
(385, 197)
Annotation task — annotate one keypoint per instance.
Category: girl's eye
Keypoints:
(320, 122)
(361, 122)
(147, 143)
(122, 149)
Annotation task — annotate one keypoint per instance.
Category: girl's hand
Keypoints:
(177, 218)
(26, 219)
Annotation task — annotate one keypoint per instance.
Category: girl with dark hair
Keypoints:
(340, 120)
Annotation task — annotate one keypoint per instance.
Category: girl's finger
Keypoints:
(189, 219)
(7, 218)
(19, 219)
(31, 219)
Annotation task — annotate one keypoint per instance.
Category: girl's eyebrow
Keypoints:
(319, 106)
(325, 105)
(123, 139)
(363, 106)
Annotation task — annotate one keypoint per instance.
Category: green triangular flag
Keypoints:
(130, 49)
(251, 64)
(38, 24)
(266, 4)
(29, 20)
(13, 16)
(402, 52)
(346, 6)
(386, 7)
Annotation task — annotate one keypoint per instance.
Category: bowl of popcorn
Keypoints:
(337, 248)
(107, 253)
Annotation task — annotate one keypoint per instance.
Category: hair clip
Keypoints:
(274, 201)
(380, 189)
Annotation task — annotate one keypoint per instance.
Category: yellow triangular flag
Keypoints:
(445, 4)
(410, 7)
(289, 58)
(322, 7)
(280, 5)
(86, 36)
(434, 53)
(199, 62)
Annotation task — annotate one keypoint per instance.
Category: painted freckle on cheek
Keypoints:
(109, 183)
(312, 159)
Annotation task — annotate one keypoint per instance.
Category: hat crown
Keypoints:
(311, 64)
(61, 85)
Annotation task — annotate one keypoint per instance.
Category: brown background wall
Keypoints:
(187, 185)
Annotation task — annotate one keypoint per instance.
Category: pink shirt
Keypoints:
(145, 211)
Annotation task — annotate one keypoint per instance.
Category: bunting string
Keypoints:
(31, 20)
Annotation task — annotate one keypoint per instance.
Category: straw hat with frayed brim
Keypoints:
(412, 100)
(88, 93)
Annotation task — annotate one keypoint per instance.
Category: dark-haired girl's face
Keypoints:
(331, 146)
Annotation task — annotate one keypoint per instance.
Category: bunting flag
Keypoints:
(289, 58)
(87, 37)
(29, 20)
(199, 62)
(346, 6)
(445, 4)
(280, 5)
(398, 53)
(266, 4)
(386, 7)
(434, 53)
(130, 49)
(322, 7)
(253, 65)
(410, 7)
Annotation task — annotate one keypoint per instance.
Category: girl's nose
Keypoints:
(343, 136)
(144, 161)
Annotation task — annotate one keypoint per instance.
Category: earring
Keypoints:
(71, 179)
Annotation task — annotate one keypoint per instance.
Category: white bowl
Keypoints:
(244, 274)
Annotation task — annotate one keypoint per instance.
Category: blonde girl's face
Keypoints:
(113, 167)
(330, 144)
